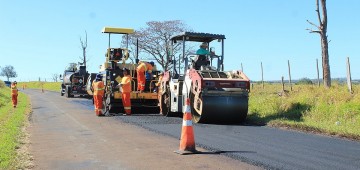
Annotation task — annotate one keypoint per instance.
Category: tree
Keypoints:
(155, 40)
(8, 71)
(83, 44)
(321, 30)
(55, 77)
(304, 80)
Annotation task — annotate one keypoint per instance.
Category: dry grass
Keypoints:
(331, 111)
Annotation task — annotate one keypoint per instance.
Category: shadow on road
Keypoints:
(222, 152)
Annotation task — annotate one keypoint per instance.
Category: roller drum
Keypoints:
(221, 109)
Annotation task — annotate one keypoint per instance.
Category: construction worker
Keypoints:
(126, 89)
(99, 88)
(159, 90)
(14, 93)
(203, 49)
(140, 71)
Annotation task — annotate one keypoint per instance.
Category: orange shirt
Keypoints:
(126, 84)
(14, 90)
(98, 87)
(145, 66)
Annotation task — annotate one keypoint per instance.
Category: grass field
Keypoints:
(52, 86)
(331, 111)
(12, 122)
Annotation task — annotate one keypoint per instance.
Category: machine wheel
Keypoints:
(61, 92)
(215, 110)
(67, 92)
(166, 103)
(106, 105)
(195, 115)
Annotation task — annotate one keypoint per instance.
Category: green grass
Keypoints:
(52, 86)
(12, 121)
(331, 111)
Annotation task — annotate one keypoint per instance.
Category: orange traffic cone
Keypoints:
(187, 141)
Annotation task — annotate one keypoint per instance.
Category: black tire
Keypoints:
(67, 92)
(61, 92)
(106, 105)
(166, 104)
(196, 117)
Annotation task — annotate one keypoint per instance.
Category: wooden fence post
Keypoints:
(282, 83)
(289, 75)
(317, 68)
(262, 76)
(348, 75)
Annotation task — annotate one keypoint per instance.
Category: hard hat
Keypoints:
(98, 77)
(125, 69)
(152, 63)
(204, 44)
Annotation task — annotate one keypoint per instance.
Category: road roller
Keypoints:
(216, 96)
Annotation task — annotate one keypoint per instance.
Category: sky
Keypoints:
(40, 38)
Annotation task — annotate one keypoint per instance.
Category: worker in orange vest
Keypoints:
(126, 89)
(159, 90)
(14, 93)
(140, 71)
(99, 89)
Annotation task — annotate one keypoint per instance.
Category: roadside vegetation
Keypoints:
(12, 134)
(51, 86)
(332, 111)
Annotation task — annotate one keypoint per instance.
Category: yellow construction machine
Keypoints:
(111, 69)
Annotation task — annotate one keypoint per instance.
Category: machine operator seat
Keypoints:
(201, 60)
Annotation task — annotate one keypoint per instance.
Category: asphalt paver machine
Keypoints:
(111, 69)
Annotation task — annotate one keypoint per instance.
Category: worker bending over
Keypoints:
(140, 71)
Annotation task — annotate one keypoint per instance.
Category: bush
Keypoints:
(304, 81)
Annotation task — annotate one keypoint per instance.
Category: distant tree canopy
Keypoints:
(304, 81)
(155, 40)
(8, 71)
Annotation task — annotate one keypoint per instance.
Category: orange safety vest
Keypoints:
(126, 84)
(145, 66)
(14, 90)
(98, 87)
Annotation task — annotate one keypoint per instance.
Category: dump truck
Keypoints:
(74, 81)
(115, 60)
(215, 95)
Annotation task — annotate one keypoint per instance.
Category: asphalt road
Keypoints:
(266, 147)
(261, 146)
(66, 134)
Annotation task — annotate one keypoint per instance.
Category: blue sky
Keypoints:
(39, 38)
